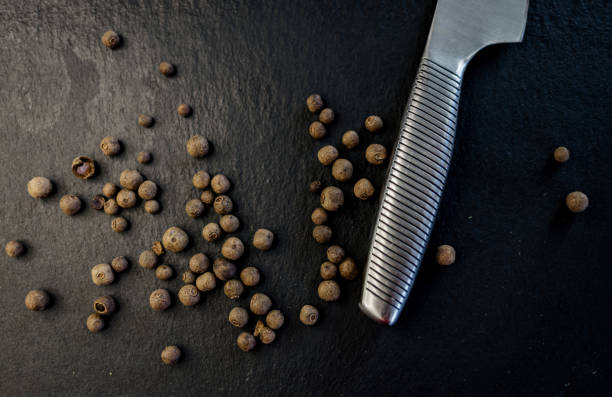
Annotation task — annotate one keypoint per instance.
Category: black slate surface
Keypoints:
(525, 309)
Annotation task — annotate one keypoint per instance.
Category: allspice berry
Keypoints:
(120, 264)
(102, 274)
(233, 289)
(314, 186)
(83, 167)
(263, 239)
(232, 248)
(197, 146)
(40, 187)
(229, 223)
(189, 295)
(37, 300)
(206, 282)
(147, 190)
(223, 204)
(14, 248)
(328, 270)
(348, 269)
(104, 305)
(577, 201)
(250, 276)
(184, 110)
(317, 130)
(246, 342)
(146, 121)
(350, 139)
(147, 259)
(220, 184)
(267, 335)
(329, 290)
(363, 189)
(175, 239)
(238, 317)
(327, 116)
(309, 315)
(110, 146)
(111, 207)
(332, 198)
(445, 255)
(70, 204)
(119, 224)
(260, 304)
(167, 69)
(319, 216)
(130, 179)
(335, 254)
(373, 123)
(95, 322)
(275, 319)
(376, 154)
(342, 170)
(199, 263)
(207, 197)
(322, 234)
(561, 154)
(110, 190)
(327, 154)
(158, 248)
(201, 180)
(144, 157)
(111, 39)
(171, 355)
(314, 103)
(211, 232)
(224, 269)
(194, 208)
(188, 277)
(97, 202)
(152, 206)
(160, 299)
(126, 198)
(164, 272)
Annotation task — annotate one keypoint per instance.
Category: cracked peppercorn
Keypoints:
(160, 299)
(224, 269)
(232, 248)
(328, 270)
(201, 179)
(335, 254)
(206, 282)
(130, 179)
(327, 116)
(144, 157)
(342, 170)
(111, 207)
(220, 184)
(111, 39)
(238, 317)
(194, 208)
(39, 187)
(207, 197)
(275, 319)
(104, 305)
(119, 264)
(70, 204)
(211, 232)
(95, 322)
(147, 190)
(314, 186)
(317, 130)
(171, 355)
(577, 201)
(158, 248)
(263, 239)
(164, 272)
(83, 167)
(152, 206)
(109, 190)
(197, 146)
(348, 269)
(373, 123)
(184, 110)
(102, 274)
(363, 189)
(332, 198)
(223, 205)
(119, 224)
(147, 259)
(376, 154)
(309, 315)
(37, 300)
(250, 276)
(233, 289)
(246, 342)
(14, 248)
(126, 198)
(561, 154)
(167, 69)
(188, 277)
(350, 139)
(322, 234)
(146, 121)
(199, 263)
(110, 146)
(327, 154)
(189, 295)
(329, 290)
(229, 223)
(260, 304)
(97, 202)
(175, 239)
(314, 103)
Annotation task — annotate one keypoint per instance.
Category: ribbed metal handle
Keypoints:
(411, 195)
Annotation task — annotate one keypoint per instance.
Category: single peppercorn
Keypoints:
(314, 186)
(327, 154)
(188, 277)
(322, 234)
(147, 190)
(224, 269)
(577, 201)
(350, 139)
(206, 282)
(561, 154)
(327, 116)
(158, 248)
(309, 315)
(160, 299)
(328, 270)
(250, 276)
(111, 207)
(39, 187)
(232, 248)
(119, 224)
(246, 342)
(70, 204)
(194, 208)
(147, 259)
(342, 170)
(152, 206)
(37, 300)
(229, 223)
(120, 264)
(199, 263)
(184, 110)
(260, 304)
(197, 146)
(267, 335)
(111, 39)
(314, 103)
(376, 154)
(171, 355)
(164, 272)
(220, 184)
(348, 269)
(167, 69)
(95, 322)
(263, 239)
(445, 255)
(104, 305)
(238, 317)
(130, 179)
(373, 123)
(319, 216)
(211, 232)
(275, 319)
(233, 289)
(189, 295)
(363, 189)
(83, 167)
(144, 157)
(102, 274)
(207, 197)
(14, 248)
(317, 130)
(223, 205)
(110, 146)
(146, 121)
(110, 190)
(201, 180)
(97, 202)
(329, 290)
(126, 198)
(175, 239)
(332, 198)
(335, 254)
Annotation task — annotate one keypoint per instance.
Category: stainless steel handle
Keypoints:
(411, 195)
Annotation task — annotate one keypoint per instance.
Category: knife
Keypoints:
(422, 155)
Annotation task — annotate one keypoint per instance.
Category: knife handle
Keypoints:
(412, 192)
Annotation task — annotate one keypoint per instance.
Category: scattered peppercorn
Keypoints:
(164, 272)
(220, 184)
(363, 189)
(189, 295)
(223, 204)
(327, 154)
(39, 187)
(171, 355)
(317, 130)
(130, 179)
(37, 300)
(376, 154)
(309, 315)
(97, 202)
(111, 39)
(197, 146)
(147, 259)
(111, 207)
(126, 198)
(263, 239)
(160, 299)
(233, 289)
(119, 224)
(229, 223)
(157, 248)
(332, 198)
(194, 208)
(201, 180)
(314, 186)
(95, 322)
(342, 170)
(238, 317)
(561, 154)
(348, 269)
(246, 342)
(335, 254)
(445, 255)
(102, 274)
(206, 282)
(104, 305)
(267, 335)
(326, 116)
(314, 103)
(119, 264)
(83, 167)
(146, 121)
(14, 248)
(110, 146)
(350, 139)
(373, 123)
(110, 190)
(319, 216)
(322, 234)
(232, 248)
(329, 290)
(188, 277)
(199, 263)
(260, 304)
(184, 110)
(275, 319)
(328, 270)
(152, 206)
(250, 276)
(144, 157)
(175, 239)
(167, 69)
(211, 232)
(207, 197)
(577, 201)
(224, 269)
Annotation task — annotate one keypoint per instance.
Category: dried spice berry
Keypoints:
(327, 154)
(327, 116)
(111, 39)
(332, 198)
(223, 205)
(194, 208)
(260, 304)
(267, 335)
(97, 202)
(317, 130)
(350, 139)
(37, 300)
(322, 234)
(329, 290)
(342, 170)
(373, 123)
(146, 121)
(363, 189)
(14, 248)
(314, 103)
(130, 179)
(110, 190)
(147, 259)
(102, 274)
(188, 277)
(95, 322)
(275, 319)
(110, 146)
(445, 255)
(111, 207)
(258, 327)
(207, 197)
(220, 184)
(211, 232)
(238, 317)
(376, 154)
(147, 190)
(233, 289)
(328, 270)
(206, 282)
(335, 254)
(189, 295)
(224, 269)
(348, 269)
(309, 315)
(232, 248)
(40, 187)
(171, 355)
(167, 69)
(201, 180)
(144, 157)
(83, 167)
(158, 248)
(246, 342)
(577, 201)
(160, 299)
(184, 110)
(250, 276)
(561, 154)
(120, 264)
(197, 146)
(263, 239)
(175, 239)
(314, 186)
(199, 263)
(164, 272)
(152, 206)
(104, 305)
(229, 223)
(126, 198)
(119, 224)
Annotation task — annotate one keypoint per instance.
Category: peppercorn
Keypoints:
(130, 179)
(220, 184)
(175, 239)
(275, 319)
(314, 186)
(322, 234)
(126, 198)
(267, 335)
(119, 264)
(111, 207)
(83, 167)
(194, 208)
(561, 154)
(39, 187)
(37, 300)
(197, 146)
(350, 139)
(206, 282)
(223, 205)
(363, 189)
(97, 202)
(309, 315)
(317, 130)
(229, 223)
(246, 342)
(119, 224)
(332, 198)
(146, 121)
(329, 290)
(342, 170)
(233, 289)
(577, 201)
(250, 276)
(164, 272)
(144, 157)
(232, 248)
(171, 355)
(14, 248)
(167, 69)
(263, 239)
(314, 103)
(102, 274)
(199, 263)
(327, 154)
(445, 255)
(201, 180)
(260, 304)
(224, 269)
(160, 299)
(207, 197)
(152, 206)
(95, 322)
(326, 116)
(157, 248)
(373, 123)
(328, 270)
(348, 269)
(335, 254)
(188, 277)
(376, 154)
(184, 110)
(211, 232)
(189, 295)
(147, 259)
(238, 317)
(111, 39)
(110, 146)
(109, 190)
(70, 204)
(104, 305)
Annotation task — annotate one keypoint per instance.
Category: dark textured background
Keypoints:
(526, 307)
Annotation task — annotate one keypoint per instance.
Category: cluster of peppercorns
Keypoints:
(575, 201)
